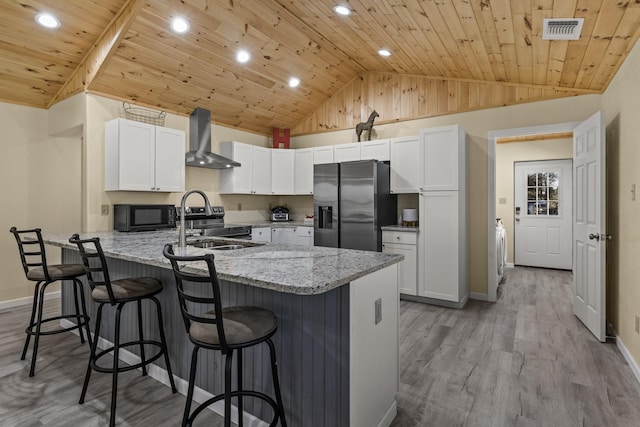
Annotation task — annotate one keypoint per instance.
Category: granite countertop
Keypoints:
(303, 270)
(400, 228)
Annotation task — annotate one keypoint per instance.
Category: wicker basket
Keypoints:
(143, 115)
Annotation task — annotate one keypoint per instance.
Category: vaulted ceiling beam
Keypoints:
(92, 64)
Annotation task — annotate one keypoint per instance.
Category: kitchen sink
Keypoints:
(218, 245)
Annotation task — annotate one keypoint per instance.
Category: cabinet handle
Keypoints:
(157, 188)
(398, 237)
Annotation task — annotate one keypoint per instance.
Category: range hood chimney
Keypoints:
(200, 154)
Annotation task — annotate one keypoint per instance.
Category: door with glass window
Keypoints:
(543, 214)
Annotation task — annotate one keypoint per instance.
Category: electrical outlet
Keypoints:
(239, 206)
(502, 201)
(378, 309)
(104, 210)
(270, 206)
(637, 324)
(633, 192)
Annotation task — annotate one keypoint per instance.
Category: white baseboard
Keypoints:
(160, 374)
(478, 296)
(628, 357)
(389, 416)
(509, 265)
(27, 300)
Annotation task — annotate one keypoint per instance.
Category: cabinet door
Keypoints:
(169, 164)
(406, 170)
(322, 155)
(303, 176)
(304, 236)
(261, 234)
(375, 150)
(261, 160)
(439, 275)
(283, 236)
(282, 171)
(442, 157)
(134, 168)
(238, 180)
(407, 269)
(346, 152)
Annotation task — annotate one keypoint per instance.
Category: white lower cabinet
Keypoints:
(261, 234)
(304, 236)
(283, 235)
(403, 243)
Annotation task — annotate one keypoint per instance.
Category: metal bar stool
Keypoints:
(118, 293)
(235, 329)
(34, 263)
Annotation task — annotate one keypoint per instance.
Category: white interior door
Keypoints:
(543, 216)
(588, 227)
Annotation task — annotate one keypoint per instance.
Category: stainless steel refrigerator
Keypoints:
(351, 201)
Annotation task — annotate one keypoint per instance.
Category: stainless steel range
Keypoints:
(212, 225)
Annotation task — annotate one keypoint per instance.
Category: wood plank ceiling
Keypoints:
(125, 49)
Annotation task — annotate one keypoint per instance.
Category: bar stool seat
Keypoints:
(57, 272)
(118, 293)
(127, 289)
(36, 269)
(242, 326)
(230, 332)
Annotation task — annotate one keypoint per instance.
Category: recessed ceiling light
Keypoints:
(47, 20)
(294, 82)
(243, 56)
(384, 52)
(342, 10)
(179, 25)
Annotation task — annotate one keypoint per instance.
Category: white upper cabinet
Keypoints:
(375, 150)
(282, 171)
(346, 152)
(143, 157)
(443, 158)
(303, 176)
(254, 174)
(322, 155)
(406, 164)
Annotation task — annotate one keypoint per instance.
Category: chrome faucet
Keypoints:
(207, 209)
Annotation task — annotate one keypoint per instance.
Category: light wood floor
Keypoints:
(523, 361)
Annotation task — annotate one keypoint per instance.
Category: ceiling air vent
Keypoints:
(562, 28)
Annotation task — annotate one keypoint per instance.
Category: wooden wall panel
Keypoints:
(399, 97)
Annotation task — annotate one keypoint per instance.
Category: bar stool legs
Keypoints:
(38, 307)
(276, 383)
(116, 369)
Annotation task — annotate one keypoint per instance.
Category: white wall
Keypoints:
(621, 103)
(40, 186)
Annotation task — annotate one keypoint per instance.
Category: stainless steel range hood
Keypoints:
(200, 154)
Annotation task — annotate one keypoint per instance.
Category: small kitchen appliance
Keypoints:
(279, 214)
(143, 217)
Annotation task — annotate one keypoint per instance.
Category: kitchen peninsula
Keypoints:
(337, 342)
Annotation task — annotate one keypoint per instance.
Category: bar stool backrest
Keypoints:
(194, 306)
(95, 263)
(31, 247)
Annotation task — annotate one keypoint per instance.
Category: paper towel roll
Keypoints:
(409, 214)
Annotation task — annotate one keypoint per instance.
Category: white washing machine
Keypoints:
(501, 248)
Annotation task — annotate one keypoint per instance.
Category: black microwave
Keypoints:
(143, 217)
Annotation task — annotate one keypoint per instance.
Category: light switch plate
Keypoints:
(502, 201)
(104, 210)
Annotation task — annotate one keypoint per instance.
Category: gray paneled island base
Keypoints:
(337, 352)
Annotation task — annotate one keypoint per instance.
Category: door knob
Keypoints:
(595, 236)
